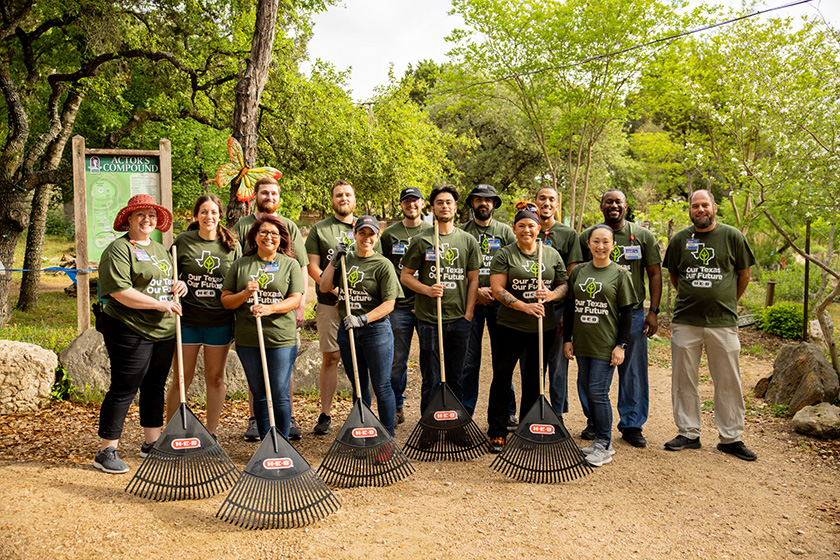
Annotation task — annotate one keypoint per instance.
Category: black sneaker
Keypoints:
(145, 449)
(108, 460)
(497, 445)
(294, 430)
(588, 433)
(738, 449)
(634, 437)
(512, 423)
(322, 428)
(399, 416)
(252, 433)
(681, 442)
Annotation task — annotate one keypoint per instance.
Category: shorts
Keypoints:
(208, 336)
(326, 317)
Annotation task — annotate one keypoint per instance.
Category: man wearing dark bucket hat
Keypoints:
(491, 236)
(395, 240)
(135, 278)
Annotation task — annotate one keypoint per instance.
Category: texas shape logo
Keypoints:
(532, 267)
(484, 242)
(355, 276)
(162, 264)
(590, 287)
(703, 253)
(208, 262)
(449, 254)
(263, 278)
(347, 238)
(616, 253)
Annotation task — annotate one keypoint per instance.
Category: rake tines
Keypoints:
(278, 489)
(541, 450)
(186, 463)
(364, 453)
(446, 431)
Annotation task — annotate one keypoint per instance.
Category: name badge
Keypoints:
(430, 255)
(398, 249)
(141, 255)
(546, 243)
(494, 244)
(692, 244)
(274, 267)
(633, 253)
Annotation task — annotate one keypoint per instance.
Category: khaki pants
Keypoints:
(723, 351)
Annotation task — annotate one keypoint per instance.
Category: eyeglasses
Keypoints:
(274, 234)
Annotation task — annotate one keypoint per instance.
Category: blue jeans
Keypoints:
(403, 325)
(374, 356)
(280, 363)
(633, 387)
(594, 380)
(456, 335)
(472, 366)
(558, 369)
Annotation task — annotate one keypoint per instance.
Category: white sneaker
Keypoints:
(590, 448)
(599, 456)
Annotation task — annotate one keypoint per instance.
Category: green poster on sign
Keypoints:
(111, 181)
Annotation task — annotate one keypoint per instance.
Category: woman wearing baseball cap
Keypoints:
(135, 280)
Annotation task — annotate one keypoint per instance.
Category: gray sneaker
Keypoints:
(322, 428)
(252, 433)
(145, 449)
(589, 449)
(600, 455)
(108, 460)
(294, 430)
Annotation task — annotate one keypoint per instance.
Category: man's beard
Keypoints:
(343, 210)
(444, 219)
(267, 207)
(483, 213)
(703, 223)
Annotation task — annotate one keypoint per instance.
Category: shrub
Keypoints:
(790, 282)
(783, 319)
(59, 225)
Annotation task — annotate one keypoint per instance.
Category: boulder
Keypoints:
(815, 333)
(86, 362)
(27, 374)
(821, 420)
(307, 371)
(801, 377)
(761, 387)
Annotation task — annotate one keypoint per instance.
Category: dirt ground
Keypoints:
(647, 503)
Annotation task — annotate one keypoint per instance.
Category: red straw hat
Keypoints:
(138, 202)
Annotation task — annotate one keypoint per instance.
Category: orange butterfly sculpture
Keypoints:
(235, 171)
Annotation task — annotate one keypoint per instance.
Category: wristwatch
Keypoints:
(622, 345)
(655, 310)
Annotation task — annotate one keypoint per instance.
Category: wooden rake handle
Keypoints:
(179, 349)
(540, 319)
(269, 400)
(350, 331)
(439, 311)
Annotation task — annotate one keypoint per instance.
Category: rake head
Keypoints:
(541, 450)
(186, 463)
(278, 489)
(446, 431)
(364, 453)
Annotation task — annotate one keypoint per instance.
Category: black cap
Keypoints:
(410, 192)
(485, 191)
(368, 222)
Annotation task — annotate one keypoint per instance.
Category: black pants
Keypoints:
(136, 363)
(514, 345)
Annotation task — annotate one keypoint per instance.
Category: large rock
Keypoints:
(27, 374)
(86, 362)
(307, 371)
(822, 421)
(801, 377)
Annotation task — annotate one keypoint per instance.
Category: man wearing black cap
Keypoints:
(395, 241)
(491, 236)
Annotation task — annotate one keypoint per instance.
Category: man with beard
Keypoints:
(267, 202)
(709, 265)
(564, 240)
(320, 243)
(491, 236)
(395, 240)
(636, 250)
(459, 262)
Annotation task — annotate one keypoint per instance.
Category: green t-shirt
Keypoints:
(371, 280)
(564, 240)
(243, 226)
(395, 241)
(147, 269)
(635, 250)
(706, 264)
(322, 239)
(278, 279)
(202, 265)
(597, 295)
(459, 255)
(522, 283)
(490, 240)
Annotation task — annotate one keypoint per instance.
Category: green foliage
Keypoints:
(790, 282)
(63, 389)
(756, 350)
(783, 319)
(58, 225)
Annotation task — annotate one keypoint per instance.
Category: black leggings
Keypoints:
(136, 363)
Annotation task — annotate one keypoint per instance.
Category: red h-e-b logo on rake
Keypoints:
(446, 415)
(364, 432)
(186, 443)
(543, 429)
(282, 463)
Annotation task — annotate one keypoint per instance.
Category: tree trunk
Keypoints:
(248, 91)
(13, 220)
(34, 248)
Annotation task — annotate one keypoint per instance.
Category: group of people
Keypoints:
(587, 291)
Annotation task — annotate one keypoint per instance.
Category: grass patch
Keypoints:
(756, 350)
(51, 326)
(705, 377)
(659, 351)
(708, 405)
(759, 407)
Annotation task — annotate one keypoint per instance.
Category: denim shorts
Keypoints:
(208, 336)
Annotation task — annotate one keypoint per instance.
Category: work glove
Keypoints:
(339, 251)
(355, 321)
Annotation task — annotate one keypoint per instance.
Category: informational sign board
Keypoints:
(110, 182)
